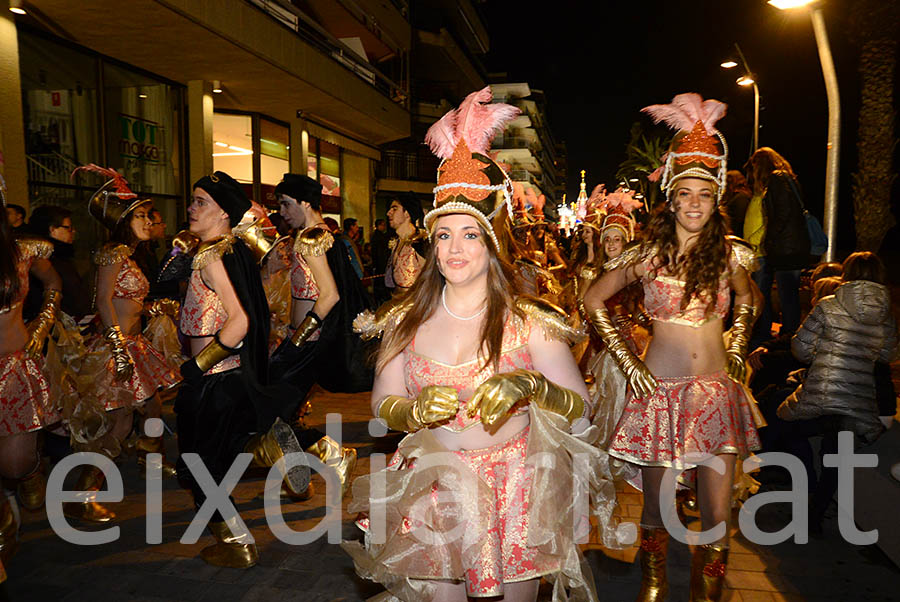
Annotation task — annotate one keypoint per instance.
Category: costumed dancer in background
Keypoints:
(687, 401)
(225, 405)
(408, 250)
(482, 378)
(543, 239)
(125, 372)
(26, 405)
(316, 291)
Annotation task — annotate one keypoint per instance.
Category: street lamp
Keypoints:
(832, 156)
(747, 80)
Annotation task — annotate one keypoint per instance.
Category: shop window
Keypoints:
(233, 146)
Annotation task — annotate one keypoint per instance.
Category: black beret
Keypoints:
(300, 188)
(227, 193)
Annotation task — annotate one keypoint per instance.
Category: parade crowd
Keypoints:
(531, 366)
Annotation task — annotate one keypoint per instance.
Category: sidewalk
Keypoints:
(48, 568)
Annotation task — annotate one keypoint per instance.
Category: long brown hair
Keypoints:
(503, 289)
(705, 261)
(762, 164)
(9, 259)
(580, 252)
(123, 232)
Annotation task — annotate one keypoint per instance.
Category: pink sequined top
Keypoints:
(662, 300)
(202, 314)
(420, 371)
(131, 282)
(303, 285)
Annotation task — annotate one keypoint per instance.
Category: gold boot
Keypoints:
(153, 445)
(267, 448)
(32, 490)
(342, 459)
(9, 532)
(708, 572)
(229, 550)
(654, 547)
(90, 479)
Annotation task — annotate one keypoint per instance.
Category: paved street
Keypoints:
(48, 568)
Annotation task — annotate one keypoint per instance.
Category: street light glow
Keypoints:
(728, 65)
(788, 4)
(745, 80)
(15, 6)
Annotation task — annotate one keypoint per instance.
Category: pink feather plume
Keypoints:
(441, 136)
(622, 200)
(122, 189)
(687, 109)
(477, 121)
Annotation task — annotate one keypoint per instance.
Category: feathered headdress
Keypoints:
(112, 201)
(520, 216)
(469, 180)
(698, 150)
(618, 208)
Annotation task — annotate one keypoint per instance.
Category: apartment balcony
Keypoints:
(398, 165)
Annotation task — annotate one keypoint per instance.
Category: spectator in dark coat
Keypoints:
(380, 254)
(783, 244)
(735, 200)
(15, 214)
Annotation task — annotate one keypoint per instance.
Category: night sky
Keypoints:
(600, 63)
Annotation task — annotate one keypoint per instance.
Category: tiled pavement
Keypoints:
(48, 568)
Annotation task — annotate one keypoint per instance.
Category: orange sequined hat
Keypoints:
(469, 181)
(698, 150)
(617, 208)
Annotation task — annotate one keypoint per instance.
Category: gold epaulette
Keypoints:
(112, 253)
(211, 251)
(34, 246)
(313, 242)
(743, 253)
(634, 252)
(371, 325)
(550, 317)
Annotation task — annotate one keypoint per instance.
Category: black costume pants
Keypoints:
(297, 366)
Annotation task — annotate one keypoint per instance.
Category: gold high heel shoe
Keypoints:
(654, 548)
(90, 479)
(708, 572)
(267, 448)
(153, 445)
(32, 490)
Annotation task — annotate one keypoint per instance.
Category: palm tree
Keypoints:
(643, 155)
(875, 28)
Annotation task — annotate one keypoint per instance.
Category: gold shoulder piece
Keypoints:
(742, 252)
(550, 317)
(635, 252)
(211, 251)
(112, 253)
(371, 325)
(313, 242)
(588, 272)
(34, 246)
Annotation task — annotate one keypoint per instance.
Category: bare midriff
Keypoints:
(128, 312)
(679, 350)
(15, 335)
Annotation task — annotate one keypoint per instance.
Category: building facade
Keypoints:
(166, 92)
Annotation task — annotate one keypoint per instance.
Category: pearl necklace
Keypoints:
(453, 315)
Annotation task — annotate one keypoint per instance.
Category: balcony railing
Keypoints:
(50, 167)
(503, 142)
(523, 175)
(398, 165)
(314, 34)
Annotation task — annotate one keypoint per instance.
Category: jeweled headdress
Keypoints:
(618, 208)
(698, 150)
(469, 181)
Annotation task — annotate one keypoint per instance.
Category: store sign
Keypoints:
(139, 138)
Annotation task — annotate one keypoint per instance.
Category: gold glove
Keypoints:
(636, 373)
(434, 404)
(212, 354)
(116, 341)
(306, 329)
(743, 318)
(40, 327)
(161, 307)
(496, 396)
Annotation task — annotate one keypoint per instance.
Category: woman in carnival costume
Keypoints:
(26, 403)
(472, 510)
(123, 370)
(687, 400)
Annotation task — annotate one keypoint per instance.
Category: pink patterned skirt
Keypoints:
(151, 373)
(25, 401)
(686, 419)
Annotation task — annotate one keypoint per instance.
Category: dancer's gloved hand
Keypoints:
(639, 377)
(433, 404)
(124, 365)
(308, 326)
(496, 396)
(39, 328)
(214, 352)
(161, 307)
(736, 354)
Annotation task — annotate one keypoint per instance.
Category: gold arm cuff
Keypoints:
(306, 329)
(212, 354)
